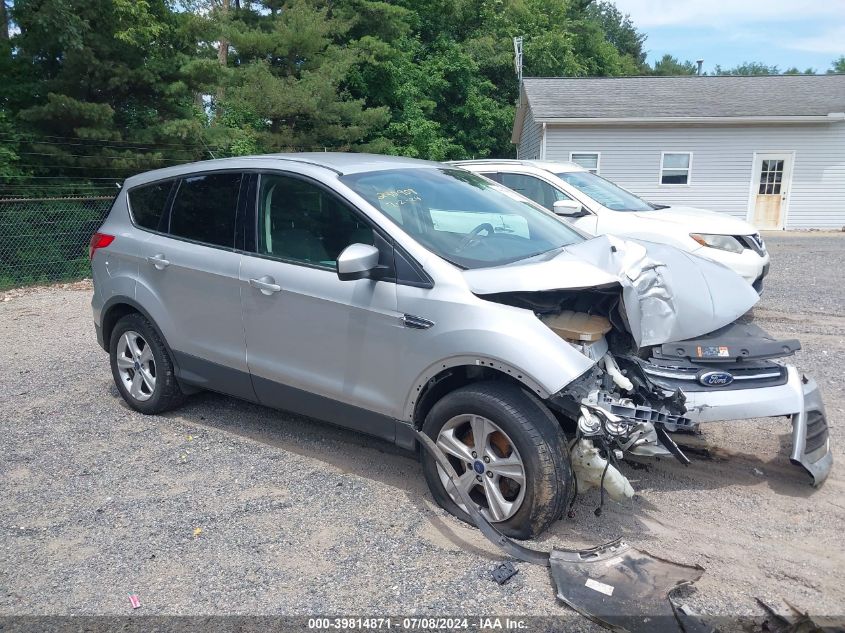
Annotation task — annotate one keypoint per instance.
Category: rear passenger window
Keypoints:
(147, 204)
(205, 207)
(537, 190)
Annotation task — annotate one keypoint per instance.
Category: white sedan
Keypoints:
(598, 206)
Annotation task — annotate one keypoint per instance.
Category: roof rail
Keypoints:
(295, 160)
(480, 161)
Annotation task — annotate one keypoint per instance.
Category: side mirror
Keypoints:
(568, 208)
(359, 261)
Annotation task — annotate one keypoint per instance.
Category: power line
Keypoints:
(100, 157)
(104, 140)
(61, 167)
(151, 148)
(62, 177)
(131, 157)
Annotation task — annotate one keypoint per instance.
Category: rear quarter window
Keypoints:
(147, 204)
(205, 207)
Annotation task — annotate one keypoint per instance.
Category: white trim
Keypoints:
(594, 153)
(660, 182)
(543, 143)
(833, 117)
(519, 117)
(785, 183)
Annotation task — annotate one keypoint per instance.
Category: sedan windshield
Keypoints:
(462, 217)
(605, 192)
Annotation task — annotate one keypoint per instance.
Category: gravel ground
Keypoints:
(224, 507)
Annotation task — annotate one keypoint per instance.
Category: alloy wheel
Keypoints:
(488, 465)
(136, 365)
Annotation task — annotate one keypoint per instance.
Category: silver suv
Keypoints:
(389, 295)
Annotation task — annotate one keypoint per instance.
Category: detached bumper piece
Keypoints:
(799, 398)
(621, 587)
(810, 437)
(615, 585)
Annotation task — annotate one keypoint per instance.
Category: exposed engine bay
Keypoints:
(633, 397)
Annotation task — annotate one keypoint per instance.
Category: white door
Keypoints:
(770, 189)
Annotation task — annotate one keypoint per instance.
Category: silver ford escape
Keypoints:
(386, 295)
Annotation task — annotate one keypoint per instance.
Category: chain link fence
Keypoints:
(45, 238)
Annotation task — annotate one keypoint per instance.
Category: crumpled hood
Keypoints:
(699, 220)
(668, 294)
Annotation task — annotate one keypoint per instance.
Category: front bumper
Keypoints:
(798, 398)
(748, 264)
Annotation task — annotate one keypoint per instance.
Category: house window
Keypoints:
(675, 168)
(587, 160)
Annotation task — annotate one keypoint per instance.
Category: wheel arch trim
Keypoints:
(120, 300)
(480, 361)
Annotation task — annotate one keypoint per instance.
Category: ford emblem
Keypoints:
(715, 378)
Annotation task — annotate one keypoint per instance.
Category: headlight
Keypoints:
(722, 242)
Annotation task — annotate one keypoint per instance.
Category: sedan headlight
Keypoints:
(722, 242)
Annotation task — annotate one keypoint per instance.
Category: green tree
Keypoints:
(286, 80)
(619, 30)
(794, 71)
(4, 21)
(748, 68)
(101, 87)
(669, 65)
(837, 65)
(9, 152)
(451, 85)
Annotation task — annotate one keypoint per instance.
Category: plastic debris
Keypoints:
(134, 601)
(197, 531)
(504, 572)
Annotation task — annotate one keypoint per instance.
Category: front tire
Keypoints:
(509, 452)
(142, 368)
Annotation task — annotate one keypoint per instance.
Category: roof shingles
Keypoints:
(673, 97)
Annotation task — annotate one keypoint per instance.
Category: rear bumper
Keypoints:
(799, 398)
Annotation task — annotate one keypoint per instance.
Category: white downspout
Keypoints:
(543, 143)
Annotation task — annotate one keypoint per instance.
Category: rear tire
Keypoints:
(516, 429)
(141, 367)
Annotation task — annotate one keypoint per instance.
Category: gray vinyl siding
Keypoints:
(722, 164)
(530, 142)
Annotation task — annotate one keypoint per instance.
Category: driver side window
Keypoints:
(533, 188)
(301, 222)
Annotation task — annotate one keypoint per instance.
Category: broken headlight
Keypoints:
(722, 242)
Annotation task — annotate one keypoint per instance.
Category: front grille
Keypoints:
(754, 242)
(816, 431)
(684, 375)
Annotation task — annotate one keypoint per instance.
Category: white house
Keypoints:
(770, 149)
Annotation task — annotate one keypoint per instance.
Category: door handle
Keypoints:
(158, 261)
(266, 284)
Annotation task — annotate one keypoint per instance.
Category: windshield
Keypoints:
(605, 192)
(462, 217)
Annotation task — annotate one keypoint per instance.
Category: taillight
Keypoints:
(99, 240)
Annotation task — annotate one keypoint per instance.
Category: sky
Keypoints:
(786, 33)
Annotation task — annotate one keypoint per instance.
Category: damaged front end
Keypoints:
(661, 327)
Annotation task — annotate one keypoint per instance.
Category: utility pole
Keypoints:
(517, 58)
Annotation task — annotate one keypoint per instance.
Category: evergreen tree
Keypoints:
(99, 87)
(669, 66)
